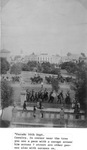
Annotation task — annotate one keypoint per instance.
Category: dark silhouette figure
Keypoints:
(34, 111)
(24, 106)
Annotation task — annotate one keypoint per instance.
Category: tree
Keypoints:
(49, 68)
(83, 54)
(46, 67)
(55, 84)
(80, 85)
(39, 67)
(70, 67)
(4, 66)
(55, 71)
(69, 54)
(30, 66)
(16, 69)
(6, 94)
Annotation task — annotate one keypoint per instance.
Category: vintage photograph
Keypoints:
(43, 64)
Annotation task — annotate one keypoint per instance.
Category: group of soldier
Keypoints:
(45, 96)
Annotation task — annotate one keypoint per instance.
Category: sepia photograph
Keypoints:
(43, 64)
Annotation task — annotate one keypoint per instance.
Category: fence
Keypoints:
(44, 116)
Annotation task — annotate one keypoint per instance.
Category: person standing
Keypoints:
(42, 85)
(34, 111)
(40, 104)
(73, 104)
(77, 109)
(24, 106)
(62, 115)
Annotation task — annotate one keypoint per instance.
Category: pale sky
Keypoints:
(50, 26)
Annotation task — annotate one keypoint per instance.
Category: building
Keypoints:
(31, 57)
(17, 58)
(72, 58)
(53, 59)
(43, 57)
(56, 59)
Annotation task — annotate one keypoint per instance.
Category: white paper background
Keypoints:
(79, 136)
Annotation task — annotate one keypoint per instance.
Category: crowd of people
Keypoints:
(45, 96)
(40, 97)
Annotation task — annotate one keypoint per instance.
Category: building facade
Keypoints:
(53, 59)
(43, 57)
